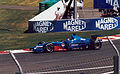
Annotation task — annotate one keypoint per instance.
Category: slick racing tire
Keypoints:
(96, 45)
(49, 48)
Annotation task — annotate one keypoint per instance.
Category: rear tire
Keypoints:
(49, 48)
(96, 45)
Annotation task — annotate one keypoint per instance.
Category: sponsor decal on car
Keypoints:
(74, 25)
(43, 26)
(107, 23)
(73, 44)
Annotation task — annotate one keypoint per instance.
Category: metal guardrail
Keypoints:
(115, 58)
(16, 62)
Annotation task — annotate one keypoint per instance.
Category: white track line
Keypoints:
(19, 51)
(109, 72)
(72, 70)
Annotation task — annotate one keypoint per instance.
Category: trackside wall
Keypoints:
(74, 25)
(106, 4)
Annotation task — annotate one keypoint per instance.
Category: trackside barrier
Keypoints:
(106, 4)
(16, 62)
(115, 58)
(72, 25)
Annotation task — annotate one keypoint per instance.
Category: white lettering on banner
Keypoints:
(74, 25)
(107, 23)
(113, 2)
(43, 26)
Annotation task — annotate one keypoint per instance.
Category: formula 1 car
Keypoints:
(75, 43)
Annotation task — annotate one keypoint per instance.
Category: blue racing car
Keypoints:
(73, 43)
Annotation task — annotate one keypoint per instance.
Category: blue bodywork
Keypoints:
(39, 47)
(74, 43)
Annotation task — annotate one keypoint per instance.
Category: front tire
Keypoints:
(49, 48)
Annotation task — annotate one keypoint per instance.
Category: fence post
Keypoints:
(75, 9)
(16, 62)
(116, 64)
(115, 58)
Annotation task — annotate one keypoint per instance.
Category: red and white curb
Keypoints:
(104, 39)
(113, 37)
(16, 51)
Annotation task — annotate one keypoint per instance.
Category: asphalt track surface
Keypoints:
(70, 62)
